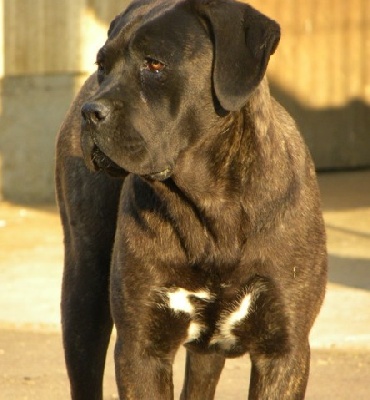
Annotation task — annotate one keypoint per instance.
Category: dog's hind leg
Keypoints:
(202, 373)
(88, 205)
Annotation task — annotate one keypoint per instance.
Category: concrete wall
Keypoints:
(33, 108)
(47, 49)
(321, 73)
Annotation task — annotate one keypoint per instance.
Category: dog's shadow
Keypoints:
(350, 272)
(337, 136)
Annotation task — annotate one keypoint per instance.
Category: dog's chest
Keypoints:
(227, 318)
(215, 322)
(161, 228)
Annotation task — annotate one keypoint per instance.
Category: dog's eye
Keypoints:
(154, 65)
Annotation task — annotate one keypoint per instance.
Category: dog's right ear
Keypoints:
(243, 41)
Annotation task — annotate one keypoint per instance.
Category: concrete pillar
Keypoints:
(49, 48)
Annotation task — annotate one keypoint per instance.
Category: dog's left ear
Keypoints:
(243, 40)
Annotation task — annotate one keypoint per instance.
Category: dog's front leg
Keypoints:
(202, 374)
(148, 332)
(281, 377)
(141, 376)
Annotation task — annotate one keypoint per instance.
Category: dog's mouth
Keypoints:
(102, 162)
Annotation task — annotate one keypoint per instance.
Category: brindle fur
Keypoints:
(220, 195)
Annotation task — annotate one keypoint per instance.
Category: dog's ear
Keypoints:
(243, 40)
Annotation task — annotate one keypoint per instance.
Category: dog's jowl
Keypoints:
(190, 209)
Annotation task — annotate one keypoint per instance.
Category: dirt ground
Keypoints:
(31, 258)
(31, 368)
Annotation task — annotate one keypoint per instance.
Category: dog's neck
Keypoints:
(216, 178)
(220, 163)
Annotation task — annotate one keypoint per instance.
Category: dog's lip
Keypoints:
(101, 161)
(160, 176)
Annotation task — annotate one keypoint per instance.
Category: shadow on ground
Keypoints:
(351, 272)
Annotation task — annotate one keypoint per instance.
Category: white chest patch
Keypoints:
(179, 300)
(241, 312)
(224, 336)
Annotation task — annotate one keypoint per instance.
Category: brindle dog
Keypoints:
(215, 238)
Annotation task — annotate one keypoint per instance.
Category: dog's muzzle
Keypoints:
(93, 115)
(96, 160)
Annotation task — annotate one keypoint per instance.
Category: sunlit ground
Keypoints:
(31, 259)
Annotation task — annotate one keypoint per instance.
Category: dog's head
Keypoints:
(168, 69)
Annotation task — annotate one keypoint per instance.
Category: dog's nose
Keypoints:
(94, 112)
